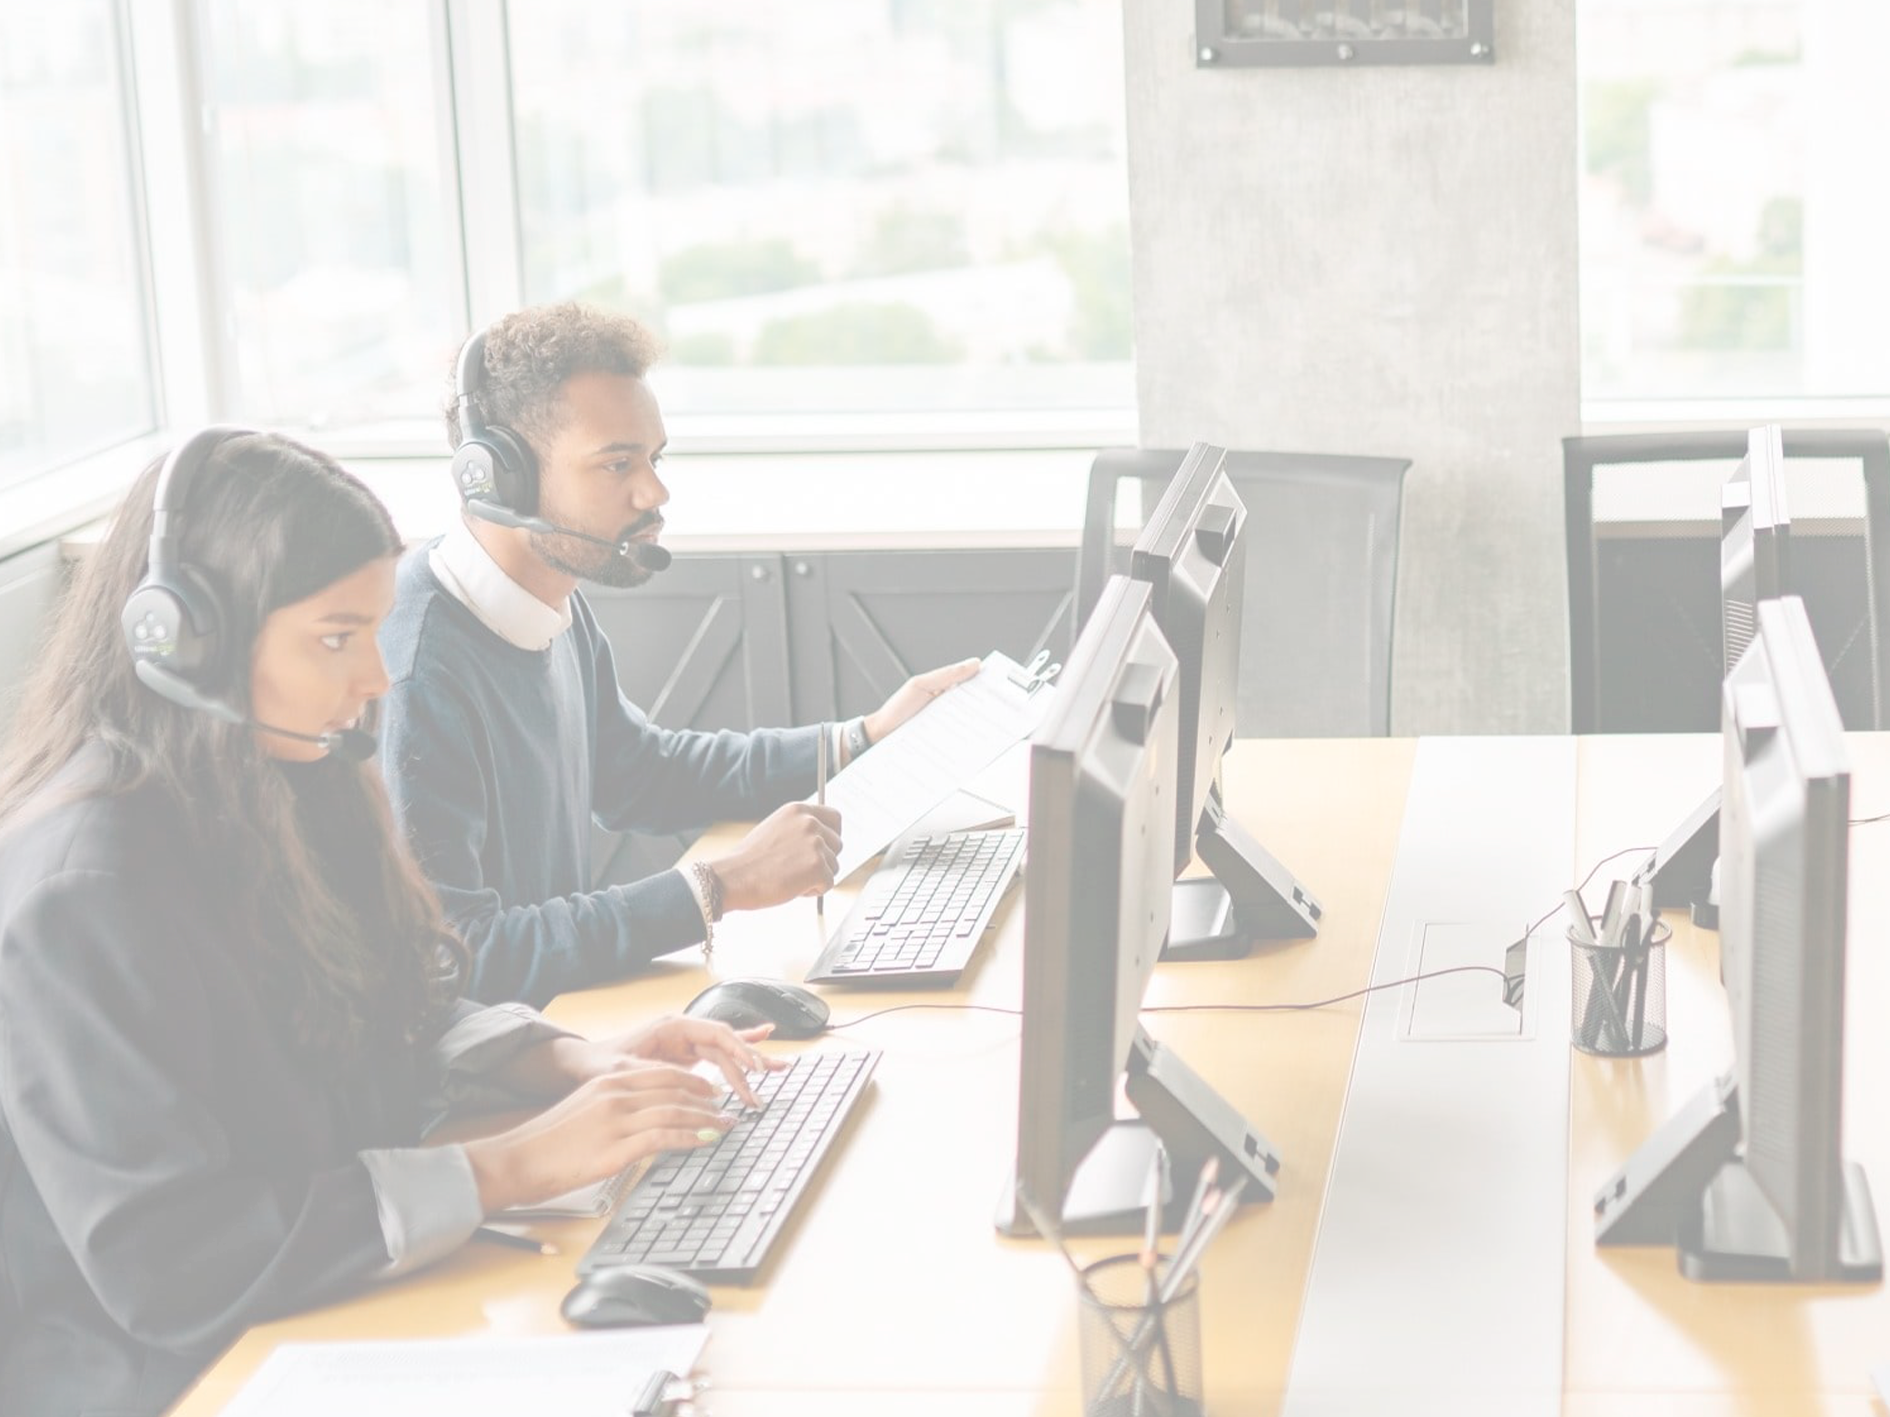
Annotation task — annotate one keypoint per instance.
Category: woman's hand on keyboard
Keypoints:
(600, 1128)
(687, 1041)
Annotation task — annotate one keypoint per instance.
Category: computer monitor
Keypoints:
(1749, 1180)
(1097, 885)
(1755, 535)
(1192, 554)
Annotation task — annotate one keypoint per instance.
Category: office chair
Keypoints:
(1645, 652)
(1322, 565)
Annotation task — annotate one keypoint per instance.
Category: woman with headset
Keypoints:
(227, 1002)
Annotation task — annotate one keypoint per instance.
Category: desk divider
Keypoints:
(1438, 1277)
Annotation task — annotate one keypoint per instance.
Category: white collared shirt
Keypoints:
(470, 575)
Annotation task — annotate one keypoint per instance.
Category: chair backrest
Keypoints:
(1322, 567)
(1645, 651)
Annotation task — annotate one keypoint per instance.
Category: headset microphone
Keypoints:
(646, 554)
(351, 745)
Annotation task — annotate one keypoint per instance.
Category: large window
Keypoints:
(835, 206)
(1733, 211)
(75, 366)
(336, 268)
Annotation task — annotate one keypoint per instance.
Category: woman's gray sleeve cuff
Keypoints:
(479, 1042)
(428, 1203)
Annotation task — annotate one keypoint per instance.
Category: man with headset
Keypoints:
(504, 732)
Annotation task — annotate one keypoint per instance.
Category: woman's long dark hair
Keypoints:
(321, 889)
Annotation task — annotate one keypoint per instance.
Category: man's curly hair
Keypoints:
(531, 353)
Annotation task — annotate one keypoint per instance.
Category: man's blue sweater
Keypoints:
(498, 758)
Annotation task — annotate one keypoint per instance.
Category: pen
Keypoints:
(820, 798)
(493, 1236)
(653, 1401)
(1641, 957)
(1152, 1227)
(1225, 1203)
(1217, 1207)
(1151, 1239)
(1601, 1015)
(1189, 1221)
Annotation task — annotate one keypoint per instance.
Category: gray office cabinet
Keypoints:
(861, 622)
(29, 589)
(766, 639)
(704, 644)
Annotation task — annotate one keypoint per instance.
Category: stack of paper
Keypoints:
(935, 752)
(574, 1375)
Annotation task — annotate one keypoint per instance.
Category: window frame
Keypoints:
(159, 56)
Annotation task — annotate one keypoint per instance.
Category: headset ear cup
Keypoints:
(515, 470)
(475, 471)
(205, 657)
(176, 623)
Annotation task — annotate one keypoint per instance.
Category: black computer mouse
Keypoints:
(743, 1003)
(622, 1295)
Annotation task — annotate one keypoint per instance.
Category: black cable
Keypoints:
(1612, 856)
(1512, 987)
(1294, 1008)
(899, 1008)
(1325, 1003)
(1207, 1008)
(1866, 821)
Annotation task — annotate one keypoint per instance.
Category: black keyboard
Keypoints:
(921, 914)
(713, 1212)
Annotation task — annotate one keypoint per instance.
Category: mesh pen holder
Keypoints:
(1618, 1007)
(1141, 1354)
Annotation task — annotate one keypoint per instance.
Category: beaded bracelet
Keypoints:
(710, 885)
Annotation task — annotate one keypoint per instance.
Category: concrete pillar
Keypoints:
(1381, 260)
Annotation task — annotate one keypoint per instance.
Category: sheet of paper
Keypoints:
(592, 1200)
(574, 1375)
(599, 1198)
(1007, 782)
(963, 811)
(931, 755)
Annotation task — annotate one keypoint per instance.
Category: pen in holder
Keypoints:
(1619, 1002)
(1141, 1351)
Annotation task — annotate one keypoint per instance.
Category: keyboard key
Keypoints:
(924, 913)
(744, 1186)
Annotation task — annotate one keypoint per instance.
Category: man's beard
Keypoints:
(599, 565)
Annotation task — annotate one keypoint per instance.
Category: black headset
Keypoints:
(492, 465)
(496, 471)
(174, 620)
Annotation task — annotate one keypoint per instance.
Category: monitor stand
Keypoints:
(1734, 1234)
(1687, 1187)
(1251, 895)
(1681, 867)
(1109, 1193)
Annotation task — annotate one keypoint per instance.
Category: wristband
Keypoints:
(709, 886)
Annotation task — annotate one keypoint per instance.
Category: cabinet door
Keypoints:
(703, 645)
(861, 622)
(29, 591)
